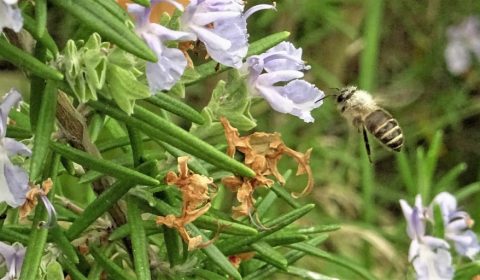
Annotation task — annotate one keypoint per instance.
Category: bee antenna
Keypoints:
(335, 88)
(325, 96)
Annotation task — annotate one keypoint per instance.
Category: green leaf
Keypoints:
(194, 164)
(438, 226)
(59, 237)
(291, 256)
(224, 226)
(269, 255)
(46, 40)
(208, 275)
(230, 246)
(105, 201)
(145, 3)
(307, 274)
(25, 60)
(113, 8)
(37, 87)
(72, 269)
(43, 131)
(318, 229)
(177, 107)
(311, 250)
(102, 165)
(41, 16)
(115, 271)
(230, 100)
(124, 88)
(139, 240)
(54, 271)
(99, 19)
(215, 255)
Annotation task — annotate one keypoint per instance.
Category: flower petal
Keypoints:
(10, 16)
(11, 99)
(14, 147)
(13, 183)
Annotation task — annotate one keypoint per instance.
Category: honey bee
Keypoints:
(359, 107)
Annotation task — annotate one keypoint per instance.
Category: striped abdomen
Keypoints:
(385, 128)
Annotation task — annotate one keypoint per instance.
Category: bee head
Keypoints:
(346, 93)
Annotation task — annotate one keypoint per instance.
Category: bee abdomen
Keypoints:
(385, 128)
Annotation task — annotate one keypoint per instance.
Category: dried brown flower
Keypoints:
(262, 153)
(235, 260)
(195, 201)
(32, 197)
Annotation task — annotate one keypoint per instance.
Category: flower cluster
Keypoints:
(14, 180)
(275, 76)
(10, 15)
(430, 255)
(463, 43)
(219, 24)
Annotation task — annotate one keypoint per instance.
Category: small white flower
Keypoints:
(13, 179)
(13, 256)
(222, 26)
(429, 255)
(457, 225)
(10, 15)
(171, 64)
(275, 76)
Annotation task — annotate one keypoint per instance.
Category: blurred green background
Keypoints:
(395, 49)
(439, 114)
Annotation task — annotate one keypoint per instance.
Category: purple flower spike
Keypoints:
(10, 15)
(222, 26)
(429, 255)
(171, 64)
(457, 225)
(13, 179)
(274, 75)
(13, 256)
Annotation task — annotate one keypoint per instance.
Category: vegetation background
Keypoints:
(395, 49)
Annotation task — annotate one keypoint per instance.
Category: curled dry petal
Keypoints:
(32, 200)
(195, 201)
(262, 152)
(235, 260)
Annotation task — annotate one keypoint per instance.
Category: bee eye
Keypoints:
(341, 98)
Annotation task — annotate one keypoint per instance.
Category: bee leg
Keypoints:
(367, 144)
(357, 122)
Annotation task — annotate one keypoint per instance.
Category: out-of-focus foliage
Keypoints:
(413, 83)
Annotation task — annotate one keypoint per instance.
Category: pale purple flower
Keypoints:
(13, 179)
(274, 75)
(457, 225)
(13, 256)
(10, 15)
(171, 64)
(429, 255)
(463, 43)
(222, 26)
